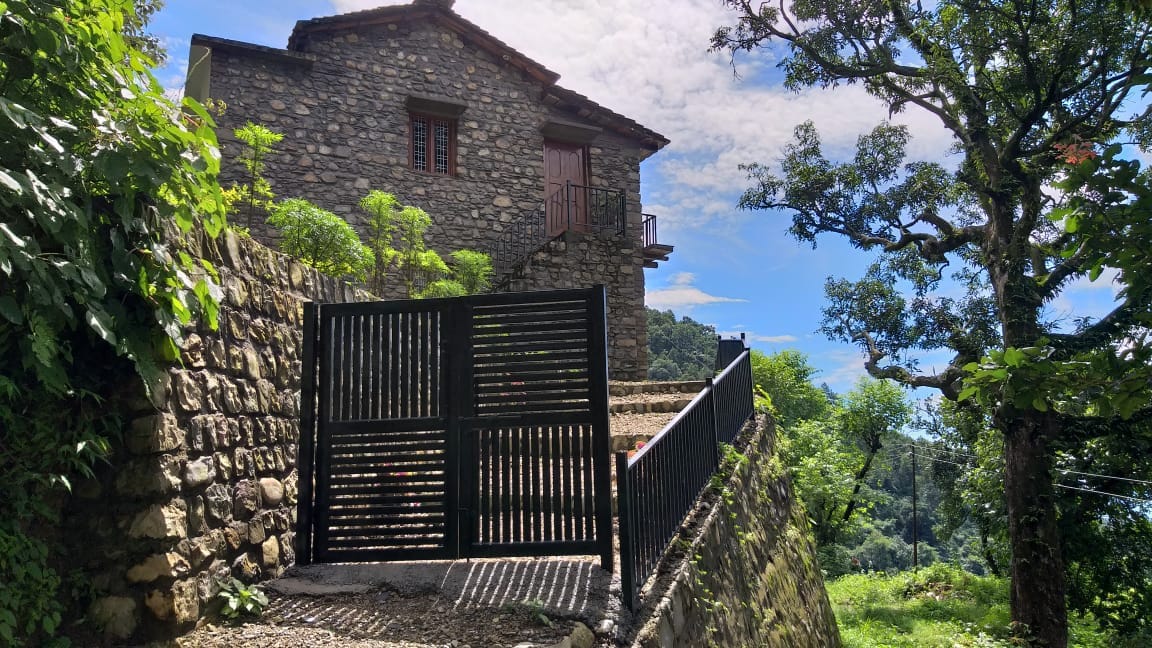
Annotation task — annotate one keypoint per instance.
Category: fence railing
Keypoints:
(585, 209)
(649, 221)
(567, 207)
(522, 237)
(659, 486)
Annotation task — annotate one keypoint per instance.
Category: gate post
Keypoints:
(458, 470)
(601, 441)
(306, 448)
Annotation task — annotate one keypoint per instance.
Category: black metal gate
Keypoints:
(448, 428)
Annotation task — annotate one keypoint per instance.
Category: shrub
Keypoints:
(320, 239)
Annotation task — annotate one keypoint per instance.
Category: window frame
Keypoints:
(430, 142)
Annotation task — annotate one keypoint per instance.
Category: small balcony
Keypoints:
(654, 251)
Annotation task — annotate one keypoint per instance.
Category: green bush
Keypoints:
(321, 239)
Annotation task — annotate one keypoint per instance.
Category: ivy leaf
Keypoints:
(11, 310)
(101, 324)
(10, 183)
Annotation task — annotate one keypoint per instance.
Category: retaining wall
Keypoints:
(204, 485)
(751, 577)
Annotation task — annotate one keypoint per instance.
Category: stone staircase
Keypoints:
(639, 410)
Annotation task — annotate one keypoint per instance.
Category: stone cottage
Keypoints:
(415, 100)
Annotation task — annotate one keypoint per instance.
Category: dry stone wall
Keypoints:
(752, 578)
(581, 260)
(205, 486)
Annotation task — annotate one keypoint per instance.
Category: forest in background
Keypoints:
(855, 457)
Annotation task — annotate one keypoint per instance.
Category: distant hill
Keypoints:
(681, 349)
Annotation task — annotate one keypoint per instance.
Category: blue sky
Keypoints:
(736, 270)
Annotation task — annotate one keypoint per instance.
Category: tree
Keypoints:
(681, 349)
(1025, 89)
(396, 237)
(97, 170)
(786, 377)
(256, 194)
(320, 239)
(832, 458)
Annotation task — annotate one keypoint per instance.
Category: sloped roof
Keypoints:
(440, 13)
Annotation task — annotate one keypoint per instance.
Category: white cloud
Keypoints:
(757, 337)
(682, 296)
(846, 368)
(650, 61)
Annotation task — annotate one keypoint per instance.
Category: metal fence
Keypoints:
(448, 428)
(659, 486)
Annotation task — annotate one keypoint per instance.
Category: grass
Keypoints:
(938, 607)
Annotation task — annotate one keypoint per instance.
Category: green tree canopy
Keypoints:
(681, 349)
(786, 378)
(1025, 89)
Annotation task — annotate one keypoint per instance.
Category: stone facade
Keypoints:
(205, 486)
(753, 578)
(577, 260)
(341, 94)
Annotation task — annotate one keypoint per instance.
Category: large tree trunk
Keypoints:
(1037, 569)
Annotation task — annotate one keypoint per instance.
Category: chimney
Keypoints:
(443, 4)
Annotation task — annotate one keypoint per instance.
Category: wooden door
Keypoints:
(565, 176)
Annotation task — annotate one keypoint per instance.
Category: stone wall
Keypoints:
(204, 486)
(341, 107)
(753, 578)
(581, 260)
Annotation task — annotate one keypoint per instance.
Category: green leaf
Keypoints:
(101, 323)
(10, 183)
(1014, 357)
(11, 310)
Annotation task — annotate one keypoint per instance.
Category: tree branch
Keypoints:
(947, 383)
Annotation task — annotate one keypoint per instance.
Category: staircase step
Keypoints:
(622, 388)
(674, 403)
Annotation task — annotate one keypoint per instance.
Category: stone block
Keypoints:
(154, 434)
(199, 472)
(189, 393)
(245, 500)
(161, 521)
(149, 476)
(185, 602)
(165, 565)
(271, 491)
(256, 531)
(245, 568)
(160, 603)
(270, 552)
(116, 615)
(218, 504)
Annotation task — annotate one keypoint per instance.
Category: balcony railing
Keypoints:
(568, 207)
(654, 250)
(585, 209)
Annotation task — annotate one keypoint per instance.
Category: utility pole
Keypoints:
(915, 519)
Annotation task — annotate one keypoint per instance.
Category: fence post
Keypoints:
(306, 451)
(601, 439)
(710, 396)
(627, 559)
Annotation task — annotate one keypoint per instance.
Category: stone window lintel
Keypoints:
(569, 131)
(435, 106)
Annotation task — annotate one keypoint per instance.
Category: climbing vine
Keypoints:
(98, 172)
